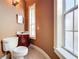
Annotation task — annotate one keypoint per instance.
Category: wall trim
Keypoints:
(59, 54)
(41, 51)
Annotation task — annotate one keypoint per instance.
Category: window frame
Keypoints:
(31, 23)
(64, 14)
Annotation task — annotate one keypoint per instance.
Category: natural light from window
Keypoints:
(71, 26)
(66, 28)
(32, 22)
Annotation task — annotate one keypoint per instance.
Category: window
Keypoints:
(32, 21)
(71, 26)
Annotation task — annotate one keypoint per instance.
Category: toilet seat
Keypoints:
(20, 51)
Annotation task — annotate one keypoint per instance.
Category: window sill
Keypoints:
(63, 54)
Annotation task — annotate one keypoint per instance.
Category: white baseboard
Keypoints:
(41, 51)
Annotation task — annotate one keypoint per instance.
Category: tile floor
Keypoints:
(32, 54)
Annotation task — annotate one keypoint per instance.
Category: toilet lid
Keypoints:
(20, 49)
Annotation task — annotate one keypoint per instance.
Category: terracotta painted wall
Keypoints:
(45, 25)
(8, 22)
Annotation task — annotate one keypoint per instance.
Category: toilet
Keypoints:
(10, 44)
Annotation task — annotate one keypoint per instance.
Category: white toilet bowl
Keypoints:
(10, 44)
(20, 52)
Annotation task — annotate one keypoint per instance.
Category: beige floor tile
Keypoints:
(34, 54)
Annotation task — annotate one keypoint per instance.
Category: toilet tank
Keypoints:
(10, 43)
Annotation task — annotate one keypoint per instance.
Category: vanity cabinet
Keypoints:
(23, 40)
